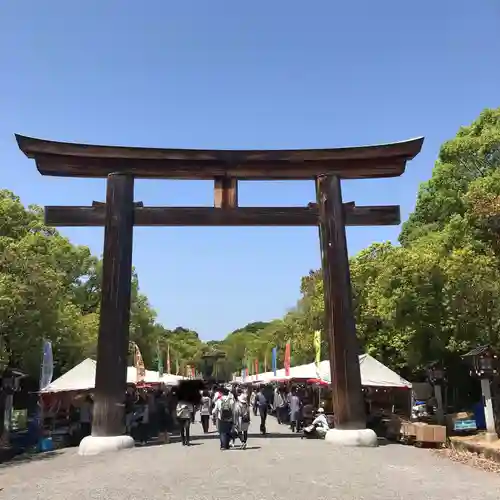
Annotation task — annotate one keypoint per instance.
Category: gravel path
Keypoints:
(276, 467)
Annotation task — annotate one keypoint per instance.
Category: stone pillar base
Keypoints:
(94, 445)
(365, 438)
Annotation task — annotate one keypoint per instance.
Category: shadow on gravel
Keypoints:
(246, 449)
(28, 457)
(384, 442)
(271, 435)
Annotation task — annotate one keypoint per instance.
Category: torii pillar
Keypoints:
(350, 418)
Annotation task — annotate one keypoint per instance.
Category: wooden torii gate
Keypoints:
(122, 165)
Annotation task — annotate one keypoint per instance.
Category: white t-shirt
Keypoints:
(321, 421)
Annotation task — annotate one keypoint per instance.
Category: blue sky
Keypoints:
(234, 74)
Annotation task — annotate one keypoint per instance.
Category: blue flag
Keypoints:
(274, 361)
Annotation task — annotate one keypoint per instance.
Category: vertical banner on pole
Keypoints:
(287, 359)
(256, 369)
(168, 359)
(317, 351)
(47, 365)
(159, 359)
(265, 362)
(274, 361)
(139, 363)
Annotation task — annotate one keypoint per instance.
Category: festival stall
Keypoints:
(386, 393)
(64, 398)
(82, 378)
(373, 374)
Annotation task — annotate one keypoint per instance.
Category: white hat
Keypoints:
(321, 410)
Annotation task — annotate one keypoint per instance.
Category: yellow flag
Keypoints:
(317, 349)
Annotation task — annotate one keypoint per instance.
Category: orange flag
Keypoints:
(287, 359)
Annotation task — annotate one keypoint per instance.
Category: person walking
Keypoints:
(217, 394)
(280, 404)
(261, 403)
(223, 413)
(294, 411)
(242, 419)
(253, 402)
(183, 412)
(205, 407)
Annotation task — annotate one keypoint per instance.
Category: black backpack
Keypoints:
(226, 410)
(245, 414)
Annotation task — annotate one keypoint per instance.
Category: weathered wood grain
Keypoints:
(348, 405)
(112, 345)
(225, 192)
(82, 160)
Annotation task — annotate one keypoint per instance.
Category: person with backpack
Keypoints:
(223, 412)
(242, 419)
(183, 412)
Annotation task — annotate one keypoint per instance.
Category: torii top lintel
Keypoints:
(84, 160)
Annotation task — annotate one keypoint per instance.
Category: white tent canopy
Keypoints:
(373, 373)
(82, 378)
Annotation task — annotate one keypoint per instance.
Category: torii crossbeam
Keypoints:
(121, 165)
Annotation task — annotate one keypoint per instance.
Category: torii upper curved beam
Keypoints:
(85, 160)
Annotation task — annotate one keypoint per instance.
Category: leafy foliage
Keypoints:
(50, 289)
(434, 297)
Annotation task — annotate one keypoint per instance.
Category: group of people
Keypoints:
(229, 410)
(293, 406)
(151, 413)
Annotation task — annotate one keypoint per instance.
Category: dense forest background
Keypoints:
(433, 297)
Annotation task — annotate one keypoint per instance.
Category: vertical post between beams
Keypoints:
(225, 192)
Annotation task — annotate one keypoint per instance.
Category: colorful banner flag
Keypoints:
(265, 363)
(168, 359)
(256, 367)
(47, 366)
(274, 361)
(317, 350)
(287, 359)
(139, 363)
(159, 359)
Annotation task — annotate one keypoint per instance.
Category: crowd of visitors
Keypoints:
(156, 413)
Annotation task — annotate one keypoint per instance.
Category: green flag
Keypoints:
(159, 359)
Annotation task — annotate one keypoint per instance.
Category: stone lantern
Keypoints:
(436, 375)
(484, 364)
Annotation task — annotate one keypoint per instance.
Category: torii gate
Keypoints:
(121, 165)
